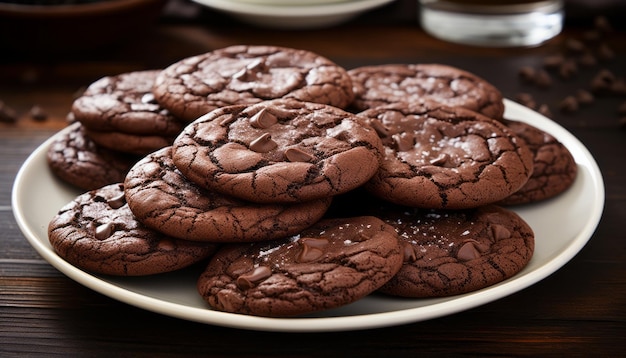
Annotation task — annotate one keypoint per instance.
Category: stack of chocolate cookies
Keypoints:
(301, 185)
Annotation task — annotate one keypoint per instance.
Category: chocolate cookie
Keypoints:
(74, 158)
(120, 113)
(97, 232)
(554, 168)
(384, 84)
(454, 252)
(331, 264)
(278, 151)
(163, 199)
(440, 157)
(250, 74)
(124, 103)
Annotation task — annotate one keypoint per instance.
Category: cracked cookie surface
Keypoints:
(333, 263)
(250, 74)
(125, 103)
(554, 167)
(97, 232)
(79, 161)
(120, 113)
(163, 199)
(440, 157)
(378, 85)
(453, 252)
(278, 151)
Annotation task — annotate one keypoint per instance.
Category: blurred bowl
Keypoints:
(71, 26)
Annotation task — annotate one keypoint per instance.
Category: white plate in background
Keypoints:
(308, 16)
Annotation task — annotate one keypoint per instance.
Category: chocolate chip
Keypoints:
(440, 160)
(104, 231)
(587, 60)
(37, 113)
(252, 278)
(543, 79)
(526, 99)
(468, 252)
(569, 104)
(403, 142)
(117, 202)
(592, 36)
(263, 119)
(500, 232)
(263, 144)
(604, 52)
(527, 74)
(584, 97)
(312, 249)
(148, 98)
(618, 87)
(544, 110)
(574, 45)
(7, 114)
(380, 128)
(568, 69)
(298, 155)
(622, 108)
(227, 120)
(251, 71)
(602, 81)
(409, 252)
(553, 61)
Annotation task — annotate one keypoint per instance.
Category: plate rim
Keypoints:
(336, 323)
(274, 11)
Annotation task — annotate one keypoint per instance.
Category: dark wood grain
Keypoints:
(578, 311)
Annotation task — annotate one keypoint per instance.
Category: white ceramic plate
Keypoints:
(291, 2)
(562, 226)
(294, 16)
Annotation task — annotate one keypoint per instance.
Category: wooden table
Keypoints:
(578, 311)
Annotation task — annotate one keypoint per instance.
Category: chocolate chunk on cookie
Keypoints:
(453, 252)
(440, 157)
(163, 199)
(331, 264)
(196, 85)
(97, 232)
(124, 103)
(278, 151)
(554, 169)
(77, 160)
(384, 84)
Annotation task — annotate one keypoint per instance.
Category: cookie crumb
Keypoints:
(7, 114)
